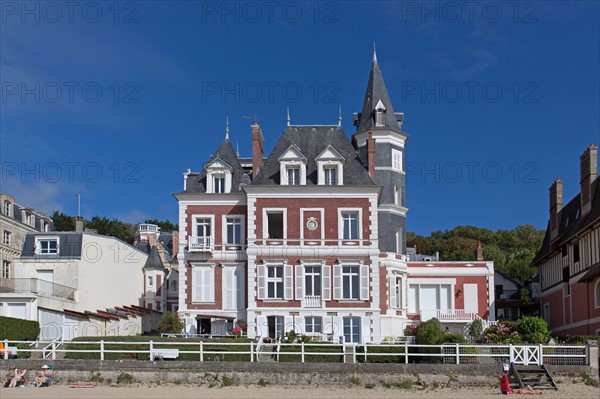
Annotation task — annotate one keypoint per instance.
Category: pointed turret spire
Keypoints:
(227, 127)
(376, 97)
(288, 116)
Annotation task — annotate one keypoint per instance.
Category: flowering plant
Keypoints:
(501, 333)
(411, 330)
(237, 331)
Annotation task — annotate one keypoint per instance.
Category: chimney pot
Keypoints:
(588, 168)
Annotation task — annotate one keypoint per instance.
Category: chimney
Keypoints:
(556, 203)
(257, 149)
(371, 156)
(588, 167)
(479, 252)
(78, 224)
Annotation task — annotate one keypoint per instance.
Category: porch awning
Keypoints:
(214, 316)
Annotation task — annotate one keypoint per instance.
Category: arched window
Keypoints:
(174, 285)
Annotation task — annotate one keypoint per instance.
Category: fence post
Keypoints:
(365, 348)
(251, 351)
(457, 351)
(541, 355)
(54, 350)
(302, 348)
(151, 349)
(5, 349)
(405, 351)
(592, 361)
(101, 349)
(354, 353)
(201, 351)
(511, 357)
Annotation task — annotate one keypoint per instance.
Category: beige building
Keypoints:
(15, 222)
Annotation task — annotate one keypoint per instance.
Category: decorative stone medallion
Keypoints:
(312, 223)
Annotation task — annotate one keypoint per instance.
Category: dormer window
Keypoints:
(44, 225)
(292, 167)
(218, 177)
(46, 245)
(7, 208)
(27, 218)
(330, 165)
(379, 113)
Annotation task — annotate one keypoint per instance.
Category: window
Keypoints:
(219, 184)
(575, 253)
(293, 175)
(27, 218)
(233, 287)
(5, 269)
(44, 225)
(352, 329)
(275, 224)
(330, 175)
(350, 282)
(350, 226)
(234, 230)
(397, 195)
(379, 112)
(46, 246)
(312, 280)
(395, 291)
(427, 298)
(7, 208)
(174, 285)
(274, 282)
(150, 281)
(204, 231)
(6, 238)
(396, 159)
(203, 283)
(313, 325)
(399, 240)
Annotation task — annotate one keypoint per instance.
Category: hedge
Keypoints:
(312, 347)
(18, 329)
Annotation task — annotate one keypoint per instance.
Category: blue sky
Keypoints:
(116, 100)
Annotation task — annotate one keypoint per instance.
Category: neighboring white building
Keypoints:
(64, 279)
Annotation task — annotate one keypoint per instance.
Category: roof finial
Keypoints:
(237, 151)
(288, 116)
(227, 127)
(374, 52)
(340, 116)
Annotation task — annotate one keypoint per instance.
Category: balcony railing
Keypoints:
(312, 301)
(36, 286)
(508, 295)
(448, 314)
(200, 244)
(317, 242)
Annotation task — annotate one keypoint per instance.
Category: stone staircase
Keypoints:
(267, 353)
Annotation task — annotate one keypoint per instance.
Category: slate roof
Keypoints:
(154, 262)
(70, 244)
(196, 182)
(376, 91)
(571, 222)
(17, 215)
(311, 141)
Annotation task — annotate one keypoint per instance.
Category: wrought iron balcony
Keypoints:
(200, 244)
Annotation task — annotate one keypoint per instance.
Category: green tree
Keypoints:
(430, 333)
(534, 330)
(115, 228)
(63, 222)
(165, 225)
(170, 323)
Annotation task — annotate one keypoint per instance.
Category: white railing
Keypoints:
(447, 314)
(312, 301)
(200, 244)
(401, 352)
(319, 242)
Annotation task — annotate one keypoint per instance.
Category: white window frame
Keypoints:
(38, 245)
(265, 231)
(276, 281)
(399, 239)
(439, 282)
(303, 221)
(397, 160)
(379, 114)
(195, 224)
(207, 270)
(330, 158)
(263, 281)
(6, 209)
(150, 281)
(5, 270)
(6, 237)
(292, 158)
(218, 169)
(309, 321)
(225, 224)
(396, 290)
(238, 288)
(362, 277)
(341, 212)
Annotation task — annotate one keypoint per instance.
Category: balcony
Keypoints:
(200, 244)
(36, 286)
(508, 295)
(313, 301)
(458, 315)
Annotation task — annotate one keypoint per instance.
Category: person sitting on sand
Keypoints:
(526, 390)
(44, 377)
(19, 376)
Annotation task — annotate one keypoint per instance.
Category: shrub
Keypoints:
(454, 338)
(505, 332)
(18, 329)
(430, 333)
(170, 323)
(476, 329)
(227, 381)
(534, 330)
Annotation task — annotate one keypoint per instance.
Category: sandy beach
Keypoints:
(570, 390)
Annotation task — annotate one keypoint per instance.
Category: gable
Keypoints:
(292, 153)
(330, 153)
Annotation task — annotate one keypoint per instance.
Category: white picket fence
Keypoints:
(354, 353)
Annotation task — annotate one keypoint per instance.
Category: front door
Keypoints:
(275, 325)
(352, 330)
(204, 326)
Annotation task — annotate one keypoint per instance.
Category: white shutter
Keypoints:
(326, 291)
(209, 273)
(299, 282)
(228, 288)
(392, 290)
(337, 282)
(262, 281)
(288, 279)
(197, 280)
(364, 282)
